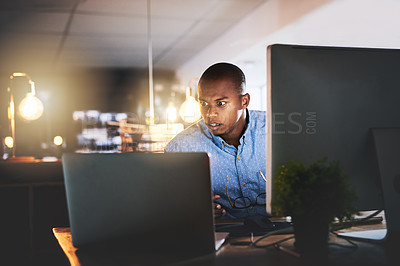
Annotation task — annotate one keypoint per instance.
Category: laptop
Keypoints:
(140, 201)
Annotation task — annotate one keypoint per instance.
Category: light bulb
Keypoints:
(30, 108)
(9, 142)
(58, 140)
(171, 113)
(190, 110)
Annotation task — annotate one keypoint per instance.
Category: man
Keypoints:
(233, 137)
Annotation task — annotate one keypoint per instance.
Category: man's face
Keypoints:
(222, 107)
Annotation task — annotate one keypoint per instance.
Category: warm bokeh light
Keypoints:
(105, 117)
(117, 140)
(9, 142)
(121, 116)
(30, 108)
(190, 110)
(171, 113)
(58, 140)
(11, 109)
(78, 115)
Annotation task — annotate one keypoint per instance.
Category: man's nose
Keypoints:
(211, 112)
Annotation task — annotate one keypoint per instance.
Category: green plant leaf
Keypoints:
(321, 189)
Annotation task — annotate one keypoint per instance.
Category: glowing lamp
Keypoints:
(30, 108)
(58, 140)
(9, 142)
(171, 113)
(190, 109)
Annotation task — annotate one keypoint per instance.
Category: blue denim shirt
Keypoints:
(242, 165)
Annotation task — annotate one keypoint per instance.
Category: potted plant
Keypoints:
(313, 196)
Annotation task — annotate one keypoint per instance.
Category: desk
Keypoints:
(230, 253)
(32, 202)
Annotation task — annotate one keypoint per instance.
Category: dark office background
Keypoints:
(115, 90)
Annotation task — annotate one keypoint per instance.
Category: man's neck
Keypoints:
(234, 137)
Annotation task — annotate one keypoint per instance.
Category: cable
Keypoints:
(288, 230)
(352, 244)
(350, 224)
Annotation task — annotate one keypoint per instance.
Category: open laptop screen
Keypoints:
(148, 199)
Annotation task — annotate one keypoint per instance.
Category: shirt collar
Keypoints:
(249, 125)
(219, 141)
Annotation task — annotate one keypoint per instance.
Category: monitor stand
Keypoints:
(387, 146)
(378, 235)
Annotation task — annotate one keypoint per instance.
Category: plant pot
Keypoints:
(311, 237)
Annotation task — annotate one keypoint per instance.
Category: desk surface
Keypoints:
(232, 252)
(30, 172)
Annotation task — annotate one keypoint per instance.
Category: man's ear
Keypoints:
(245, 100)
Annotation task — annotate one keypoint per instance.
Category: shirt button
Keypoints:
(244, 184)
(238, 157)
(245, 141)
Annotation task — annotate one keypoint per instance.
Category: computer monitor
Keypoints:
(323, 102)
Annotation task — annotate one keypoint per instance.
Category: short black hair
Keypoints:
(224, 70)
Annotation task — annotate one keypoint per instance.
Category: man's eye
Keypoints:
(221, 103)
(203, 103)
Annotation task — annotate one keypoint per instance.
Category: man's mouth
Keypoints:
(214, 126)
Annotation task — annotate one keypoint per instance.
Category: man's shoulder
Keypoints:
(258, 118)
(258, 114)
(187, 139)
